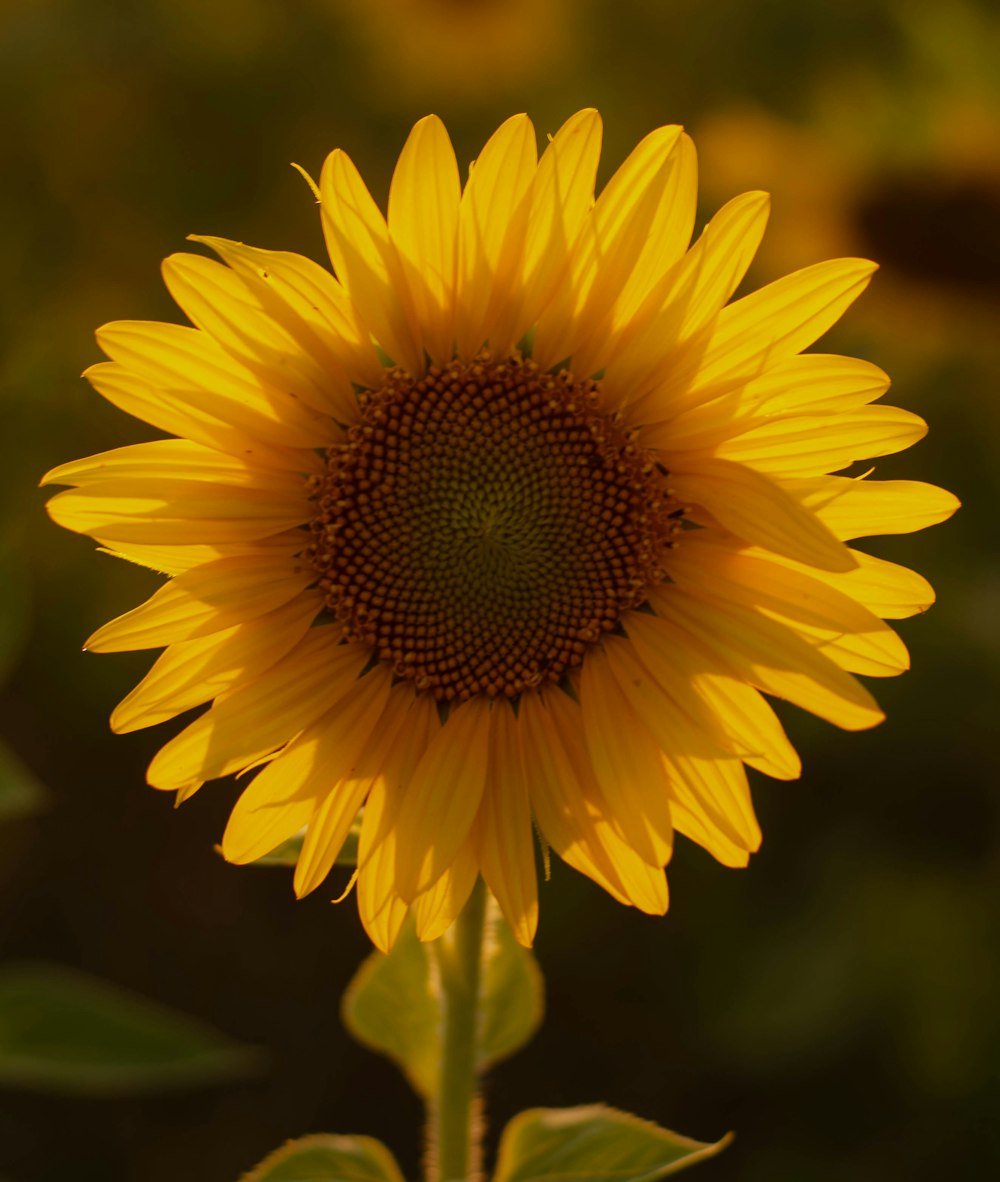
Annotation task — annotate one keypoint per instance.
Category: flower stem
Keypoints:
(454, 1125)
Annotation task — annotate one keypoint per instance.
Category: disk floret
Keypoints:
(483, 524)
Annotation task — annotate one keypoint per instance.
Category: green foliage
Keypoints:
(327, 1158)
(20, 791)
(393, 1004)
(64, 1032)
(513, 994)
(593, 1144)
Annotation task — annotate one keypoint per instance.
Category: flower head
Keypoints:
(510, 524)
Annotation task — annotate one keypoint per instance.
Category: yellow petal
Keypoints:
(192, 672)
(610, 242)
(310, 305)
(561, 199)
(166, 511)
(439, 906)
(382, 910)
(808, 445)
(492, 225)
(642, 885)
(710, 784)
(861, 508)
(218, 302)
(771, 657)
(199, 415)
(246, 840)
(507, 843)
(892, 592)
(816, 383)
(367, 263)
(423, 223)
(669, 235)
(174, 560)
(570, 824)
(258, 718)
(191, 369)
(830, 620)
(694, 824)
(758, 510)
(810, 383)
(626, 763)
(397, 744)
(683, 306)
(173, 459)
(411, 725)
(696, 290)
(339, 742)
(205, 599)
(732, 713)
(763, 328)
(442, 798)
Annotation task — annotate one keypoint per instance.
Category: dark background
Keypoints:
(835, 1004)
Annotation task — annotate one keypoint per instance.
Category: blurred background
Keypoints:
(836, 1003)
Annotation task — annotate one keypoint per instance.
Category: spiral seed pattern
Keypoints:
(483, 525)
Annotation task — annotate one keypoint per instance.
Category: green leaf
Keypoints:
(593, 1144)
(513, 992)
(20, 792)
(326, 1158)
(64, 1032)
(393, 1004)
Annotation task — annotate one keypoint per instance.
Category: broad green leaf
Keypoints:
(327, 1158)
(513, 993)
(62, 1031)
(393, 1005)
(287, 854)
(20, 792)
(593, 1144)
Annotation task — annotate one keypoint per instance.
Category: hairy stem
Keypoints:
(454, 1124)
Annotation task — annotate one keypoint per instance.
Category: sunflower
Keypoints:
(507, 527)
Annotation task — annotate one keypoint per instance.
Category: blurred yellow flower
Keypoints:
(469, 48)
(925, 205)
(507, 525)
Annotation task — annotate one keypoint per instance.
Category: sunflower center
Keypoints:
(485, 523)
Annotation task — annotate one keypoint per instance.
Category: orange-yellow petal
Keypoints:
(195, 671)
(366, 261)
(206, 599)
(759, 510)
(492, 228)
(442, 798)
(626, 763)
(423, 223)
(771, 657)
(261, 717)
(506, 838)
